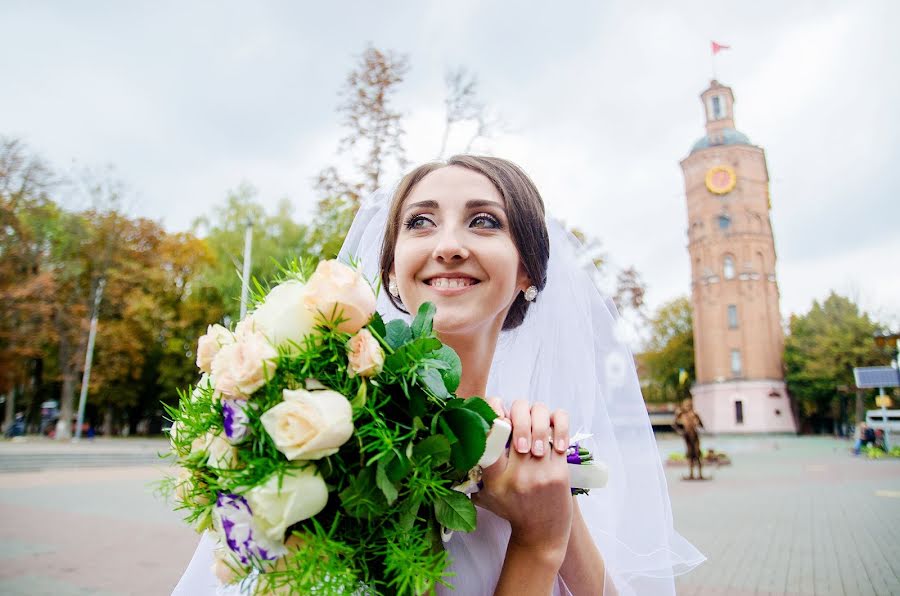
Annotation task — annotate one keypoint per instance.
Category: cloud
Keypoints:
(601, 102)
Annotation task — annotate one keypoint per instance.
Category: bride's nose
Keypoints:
(449, 245)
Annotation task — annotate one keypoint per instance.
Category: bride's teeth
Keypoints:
(450, 283)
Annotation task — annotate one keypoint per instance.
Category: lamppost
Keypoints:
(245, 275)
(884, 339)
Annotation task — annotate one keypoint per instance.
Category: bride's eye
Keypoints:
(486, 220)
(416, 222)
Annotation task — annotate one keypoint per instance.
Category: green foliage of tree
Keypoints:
(669, 350)
(823, 347)
(277, 237)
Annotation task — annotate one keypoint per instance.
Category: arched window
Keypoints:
(724, 222)
(728, 267)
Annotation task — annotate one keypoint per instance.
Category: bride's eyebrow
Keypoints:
(470, 204)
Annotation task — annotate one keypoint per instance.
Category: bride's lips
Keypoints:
(451, 285)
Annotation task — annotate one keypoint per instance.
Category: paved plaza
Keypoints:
(790, 516)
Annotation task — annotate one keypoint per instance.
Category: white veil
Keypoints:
(567, 354)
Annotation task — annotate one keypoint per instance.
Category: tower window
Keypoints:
(724, 222)
(728, 267)
(732, 316)
(717, 107)
(736, 363)
(738, 412)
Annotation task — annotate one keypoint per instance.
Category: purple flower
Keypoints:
(574, 458)
(235, 420)
(242, 538)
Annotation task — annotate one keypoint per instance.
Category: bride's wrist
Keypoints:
(549, 555)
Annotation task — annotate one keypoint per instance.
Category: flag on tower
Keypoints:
(718, 47)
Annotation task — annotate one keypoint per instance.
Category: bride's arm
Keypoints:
(583, 569)
(529, 487)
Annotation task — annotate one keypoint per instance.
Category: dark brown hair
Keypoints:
(524, 209)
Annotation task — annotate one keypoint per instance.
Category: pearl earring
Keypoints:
(393, 289)
(531, 293)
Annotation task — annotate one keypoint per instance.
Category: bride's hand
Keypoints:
(529, 487)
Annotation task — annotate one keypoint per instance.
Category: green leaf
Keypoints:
(408, 512)
(434, 383)
(422, 324)
(455, 511)
(363, 499)
(384, 483)
(397, 466)
(436, 447)
(452, 373)
(397, 333)
(360, 399)
(482, 408)
(377, 324)
(471, 430)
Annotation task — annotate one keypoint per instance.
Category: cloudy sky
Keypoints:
(599, 99)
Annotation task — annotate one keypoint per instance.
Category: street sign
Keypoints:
(871, 377)
(883, 401)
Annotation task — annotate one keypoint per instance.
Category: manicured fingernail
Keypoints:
(522, 445)
(561, 445)
(539, 447)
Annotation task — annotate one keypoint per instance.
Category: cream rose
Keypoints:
(283, 316)
(336, 291)
(309, 424)
(209, 345)
(364, 353)
(241, 368)
(303, 494)
(222, 454)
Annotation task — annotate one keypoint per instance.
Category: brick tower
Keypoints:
(738, 339)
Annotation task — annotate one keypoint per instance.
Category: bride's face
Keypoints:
(454, 249)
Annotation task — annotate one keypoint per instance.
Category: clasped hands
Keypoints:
(529, 486)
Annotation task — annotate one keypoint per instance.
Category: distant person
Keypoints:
(17, 428)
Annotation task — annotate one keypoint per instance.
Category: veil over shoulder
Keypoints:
(568, 353)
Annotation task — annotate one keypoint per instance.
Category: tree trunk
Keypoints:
(108, 418)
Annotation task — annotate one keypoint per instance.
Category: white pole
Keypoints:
(89, 358)
(245, 276)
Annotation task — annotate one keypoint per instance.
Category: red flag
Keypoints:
(718, 47)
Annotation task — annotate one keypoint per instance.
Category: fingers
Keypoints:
(560, 421)
(540, 430)
(520, 416)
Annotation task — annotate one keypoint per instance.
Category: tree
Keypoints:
(821, 350)
(276, 239)
(374, 133)
(669, 351)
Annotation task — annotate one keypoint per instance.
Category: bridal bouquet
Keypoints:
(324, 448)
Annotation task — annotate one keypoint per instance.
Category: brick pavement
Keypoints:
(791, 516)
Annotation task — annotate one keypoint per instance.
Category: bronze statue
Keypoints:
(686, 424)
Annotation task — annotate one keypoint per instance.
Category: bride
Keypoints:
(516, 300)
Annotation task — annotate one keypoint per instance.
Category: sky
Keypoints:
(599, 100)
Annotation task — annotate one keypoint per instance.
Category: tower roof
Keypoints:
(725, 136)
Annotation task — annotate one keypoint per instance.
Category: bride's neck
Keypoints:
(476, 351)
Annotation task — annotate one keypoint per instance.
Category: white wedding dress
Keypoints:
(567, 354)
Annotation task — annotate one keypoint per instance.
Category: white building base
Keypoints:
(764, 407)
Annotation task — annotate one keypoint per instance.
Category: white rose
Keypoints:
(209, 345)
(364, 355)
(309, 424)
(202, 386)
(303, 494)
(241, 368)
(337, 291)
(222, 455)
(283, 316)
